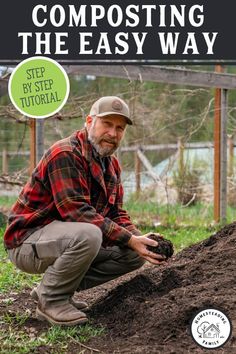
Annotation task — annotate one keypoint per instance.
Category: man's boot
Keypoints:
(60, 313)
(80, 305)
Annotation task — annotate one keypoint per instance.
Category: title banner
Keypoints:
(82, 31)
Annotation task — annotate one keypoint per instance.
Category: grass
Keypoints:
(57, 338)
(7, 201)
(183, 226)
(57, 334)
(16, 319)
(185, 236)
(169, 215)
(11, 278)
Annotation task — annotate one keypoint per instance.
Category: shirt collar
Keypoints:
(101, 160)
(88, 151)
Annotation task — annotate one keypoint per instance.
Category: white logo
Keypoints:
(211, 328)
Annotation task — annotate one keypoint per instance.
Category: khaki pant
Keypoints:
(71, 257)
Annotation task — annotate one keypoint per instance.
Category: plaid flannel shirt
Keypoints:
(69, 184)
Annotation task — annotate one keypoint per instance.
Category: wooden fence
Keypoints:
(140, 157)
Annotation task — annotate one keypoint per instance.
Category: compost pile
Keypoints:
(151, 312)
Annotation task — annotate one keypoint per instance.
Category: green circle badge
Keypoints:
(38, 87)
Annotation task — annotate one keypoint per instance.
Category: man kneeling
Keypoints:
(68, 221)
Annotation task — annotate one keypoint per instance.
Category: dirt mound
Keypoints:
(151, 312)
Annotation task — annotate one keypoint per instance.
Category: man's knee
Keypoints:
(89, 236)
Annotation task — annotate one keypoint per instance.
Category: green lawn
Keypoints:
(15, 340)
(7, 201)
(183, 226)
(11, 278)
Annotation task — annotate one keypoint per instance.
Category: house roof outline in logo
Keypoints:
(212, 331)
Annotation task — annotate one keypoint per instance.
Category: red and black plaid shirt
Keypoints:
(69, 184)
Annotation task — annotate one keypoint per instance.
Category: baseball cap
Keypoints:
(111, 105)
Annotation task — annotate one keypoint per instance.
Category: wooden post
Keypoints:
(32, 145)
(137, 173)
(217, 144)
(147, 164)
(39, 139)
(223, 158)
(231, 155)
(4, 161)
(180, 157)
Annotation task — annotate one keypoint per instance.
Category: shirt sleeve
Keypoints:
(120, 216)
(69, 185)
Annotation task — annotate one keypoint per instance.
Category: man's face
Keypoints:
(106, 133)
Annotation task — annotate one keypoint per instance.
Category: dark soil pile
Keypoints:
(151, 312)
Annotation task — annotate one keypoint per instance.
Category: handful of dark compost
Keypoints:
(165, 247)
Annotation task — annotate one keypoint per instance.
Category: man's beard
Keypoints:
(96, 142)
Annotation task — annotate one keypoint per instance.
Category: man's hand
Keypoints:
(139, 244)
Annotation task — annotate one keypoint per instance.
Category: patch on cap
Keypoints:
(117, 105)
